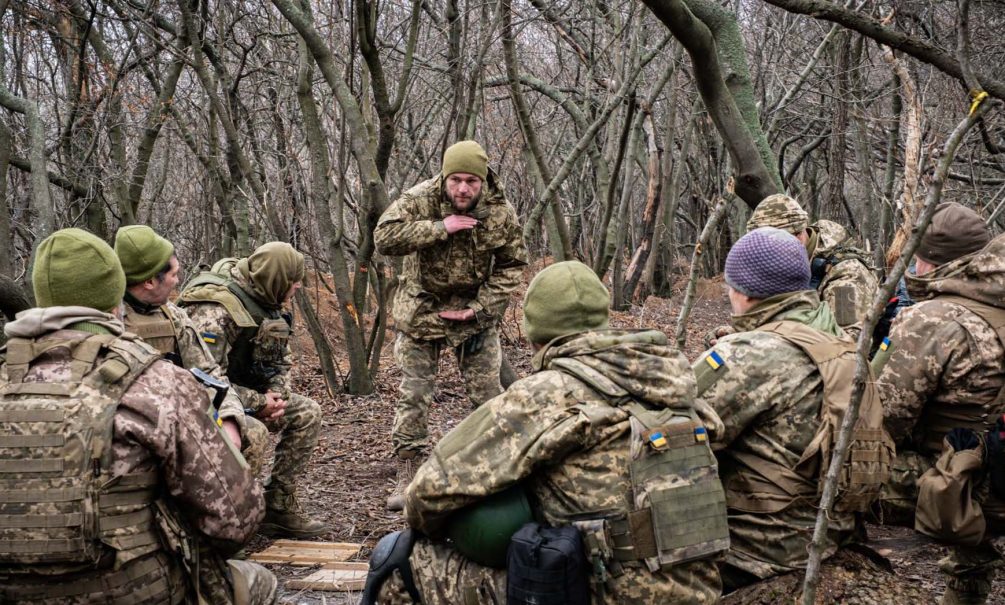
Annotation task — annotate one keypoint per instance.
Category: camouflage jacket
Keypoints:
(161, 426)
(569, 447)
(848, 284)
(189, 346)
(476, 268)
(946, 363)
(768, 393)
(221, 334)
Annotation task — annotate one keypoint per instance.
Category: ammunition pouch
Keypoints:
(391, 553)
(546, 566)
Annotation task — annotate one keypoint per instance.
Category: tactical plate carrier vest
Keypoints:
(762, 486)
(678, 507)
(60, 508)
(264, 332)
(156, 329)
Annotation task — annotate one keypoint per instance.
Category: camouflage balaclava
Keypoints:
(76, 268)
(955, 231)
(466, 156)
(142, 252)
(781, 212)
(271, 270)
(564, 298)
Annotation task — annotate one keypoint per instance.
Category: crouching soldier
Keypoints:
(780, 385)
(605, 442)
(115, 485)
(237, 309)
(946, 371)
(152, 273)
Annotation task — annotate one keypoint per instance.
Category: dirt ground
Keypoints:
(353, 471)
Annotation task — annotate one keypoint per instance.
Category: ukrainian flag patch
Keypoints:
(208, 338)
(885, 344)
(714, 360)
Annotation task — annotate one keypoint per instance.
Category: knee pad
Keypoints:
(390, 553)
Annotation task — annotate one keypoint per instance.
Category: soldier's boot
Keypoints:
(284, 517)
(253, 584)
(408, 462)
(970, 589)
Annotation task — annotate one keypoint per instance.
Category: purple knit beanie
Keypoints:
(766, 262)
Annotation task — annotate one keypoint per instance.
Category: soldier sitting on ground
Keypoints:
(780, 385)
(237, 308)
(117, 486)
(152, 272)
(603, 435)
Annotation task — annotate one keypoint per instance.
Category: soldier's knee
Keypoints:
(253, 584)
(416, 391)
(306, 412)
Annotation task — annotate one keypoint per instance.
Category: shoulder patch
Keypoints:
(208, 337)
(709, 370)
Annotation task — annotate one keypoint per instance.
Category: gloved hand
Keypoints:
(474, 343)
(713, 335)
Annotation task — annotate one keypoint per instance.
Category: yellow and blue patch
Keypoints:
(208, 338)
(714, 360)
(885, 344)
(700, 434)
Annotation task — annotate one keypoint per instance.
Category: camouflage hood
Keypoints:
(826, 237)
(803, 307)
(640, 362)
(40, 321)
(978, 276)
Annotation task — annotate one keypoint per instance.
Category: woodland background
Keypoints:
(617, 127)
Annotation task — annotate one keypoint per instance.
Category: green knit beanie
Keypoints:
(76, 268)
(142, 252)
(466, 156)
(564, 298)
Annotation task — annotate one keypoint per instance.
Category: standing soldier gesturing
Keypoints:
(464, 254)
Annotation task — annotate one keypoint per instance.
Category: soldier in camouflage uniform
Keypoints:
(132, 488)
(152, 272)
(840, 272)
(464, 256)
(768, 394)
(237, 310)
(946, 369)
(565, 434)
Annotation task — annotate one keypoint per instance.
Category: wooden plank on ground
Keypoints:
(334, 577)
(295, 552)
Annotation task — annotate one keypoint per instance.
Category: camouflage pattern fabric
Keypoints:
(160, 426)
(947, 365)
(194, 354)
(475, 268)
(301, 424)
(768, 395)
(569, 447)
(418, 360)
(849, 284)
(781, 212)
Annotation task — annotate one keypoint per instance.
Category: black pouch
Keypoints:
(996, 458)
(547, 566)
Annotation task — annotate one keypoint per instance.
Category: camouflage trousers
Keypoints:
(419, 361)
(445, 577)
(298, 436)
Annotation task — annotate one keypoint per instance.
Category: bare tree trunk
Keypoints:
(909, 202)
(6, 245)
(711, 225)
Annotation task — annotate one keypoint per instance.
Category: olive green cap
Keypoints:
(142, 252)
(565, 298)
(955, 231)
(781, 212)
(76, 268)
(466, 156)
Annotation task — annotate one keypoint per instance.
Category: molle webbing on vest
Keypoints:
(217, 286)
(156, 329)
(59, 504)
(939, 419)
(679, 507)
(764, 486)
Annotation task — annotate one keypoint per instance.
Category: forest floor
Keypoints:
(352, 472)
